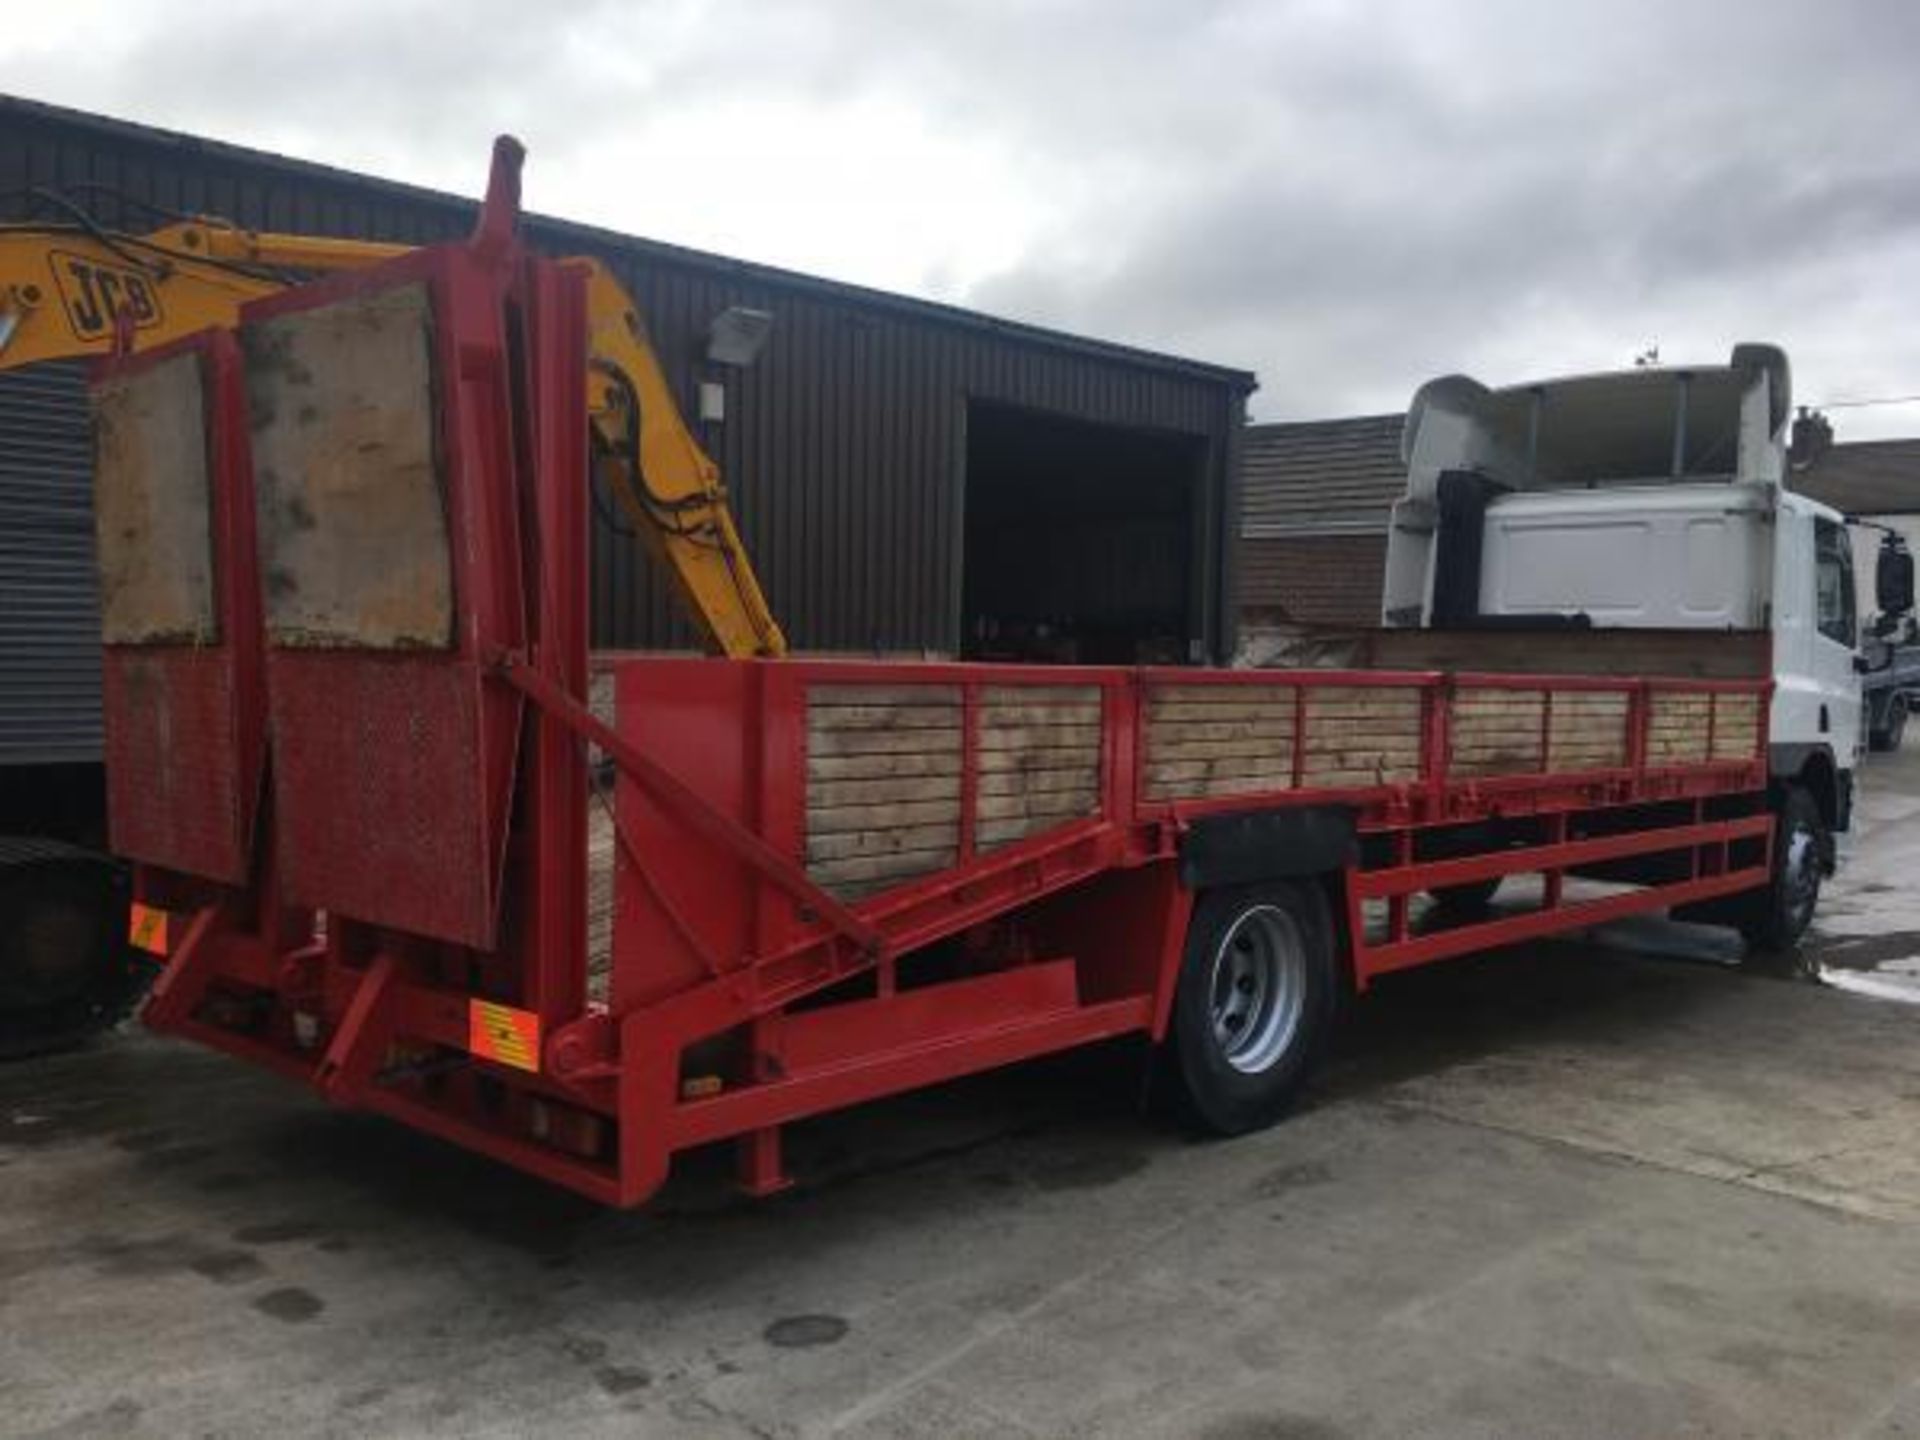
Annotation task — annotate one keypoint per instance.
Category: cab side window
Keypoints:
(1833, 583)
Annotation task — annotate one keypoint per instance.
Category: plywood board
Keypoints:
(153, 507)
(351, 502)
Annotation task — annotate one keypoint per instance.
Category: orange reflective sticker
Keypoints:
(147, 929)
(502, 1033)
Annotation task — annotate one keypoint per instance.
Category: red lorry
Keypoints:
(353, 752)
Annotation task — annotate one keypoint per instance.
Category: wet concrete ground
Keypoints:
(1612, 1188)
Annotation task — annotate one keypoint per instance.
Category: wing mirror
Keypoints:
(1893, 576)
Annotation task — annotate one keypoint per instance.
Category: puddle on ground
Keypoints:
(1897, 980)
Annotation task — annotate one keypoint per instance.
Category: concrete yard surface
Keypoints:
(1608, 1188)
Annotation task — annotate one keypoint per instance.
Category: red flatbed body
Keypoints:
(833, 880)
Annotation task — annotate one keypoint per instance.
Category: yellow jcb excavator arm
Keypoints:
(62, 287)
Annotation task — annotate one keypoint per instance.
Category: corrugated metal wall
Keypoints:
(843, 446)
(49, 608)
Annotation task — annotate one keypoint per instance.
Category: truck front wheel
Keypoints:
(1780, 914)
(1888, 735)
(1257, 994)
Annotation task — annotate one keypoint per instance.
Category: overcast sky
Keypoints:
(1345, 198)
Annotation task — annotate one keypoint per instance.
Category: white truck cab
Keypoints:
(1644, 498)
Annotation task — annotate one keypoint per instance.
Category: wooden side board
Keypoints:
(884, 775)
(885, 762)
(1205, 741)
(1689, 727)
(1506, 731)
(1039, 760)
(883, 784)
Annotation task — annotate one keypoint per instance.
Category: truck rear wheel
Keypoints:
(1256, 997)
(1780, 914)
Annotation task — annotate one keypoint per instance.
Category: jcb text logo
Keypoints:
(94, 293)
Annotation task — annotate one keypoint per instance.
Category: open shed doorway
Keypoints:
(1080, 540)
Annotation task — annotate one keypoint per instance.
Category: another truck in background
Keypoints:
(1891, 684)
(1651, 498)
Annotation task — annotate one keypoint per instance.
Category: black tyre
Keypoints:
(1257, 994)
(1779, 915)
(1888, 736)
(1468, 899)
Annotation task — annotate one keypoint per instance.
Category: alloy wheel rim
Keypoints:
(1257, 988)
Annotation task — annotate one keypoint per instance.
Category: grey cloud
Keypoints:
(1344, 197)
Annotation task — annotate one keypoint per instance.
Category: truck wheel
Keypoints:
(1256, 997)
(1889, 736)
(1468, 899)
(1780, 914)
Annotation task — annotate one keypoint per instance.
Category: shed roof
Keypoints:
(1321, 477)
(551, 231)
(1866, 477)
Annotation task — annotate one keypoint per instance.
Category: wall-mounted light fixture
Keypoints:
(737, 335)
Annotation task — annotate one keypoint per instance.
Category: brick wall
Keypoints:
(1321, 580)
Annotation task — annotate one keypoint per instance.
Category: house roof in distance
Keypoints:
(1321, 477)
(1865, 477)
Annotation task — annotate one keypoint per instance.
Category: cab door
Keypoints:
(1836, 638)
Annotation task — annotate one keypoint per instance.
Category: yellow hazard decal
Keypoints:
(502, 1033)
(147, 929)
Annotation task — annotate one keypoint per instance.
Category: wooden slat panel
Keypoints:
(1039, 760)
(1276, 771)
(883, 784)
(1677, 723)
(1496, 731)
(1039, 804)
(1177, 747)
(831, 696)
(906, 838)
(839, 819)
(1012, 782)
(863, 874)
(1736, 726)
(881, 717)
(832, 794)
(1177, 711)
(1032, 736)
(991, 835)
(883, 742)
(1331, 777)
(1207, 740)
(872, 766)
(1023, 762)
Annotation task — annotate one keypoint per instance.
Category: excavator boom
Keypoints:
(67, 289)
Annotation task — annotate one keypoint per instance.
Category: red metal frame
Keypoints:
(741, 995)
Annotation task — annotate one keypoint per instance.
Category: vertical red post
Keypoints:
(1546, 728)
(1639, 713)
(969, 767)
(1397, 904)
(552, 302)
(1438, 714)
(1299, 735)
(1555, 878)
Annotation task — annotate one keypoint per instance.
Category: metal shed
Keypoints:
(896, 465)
